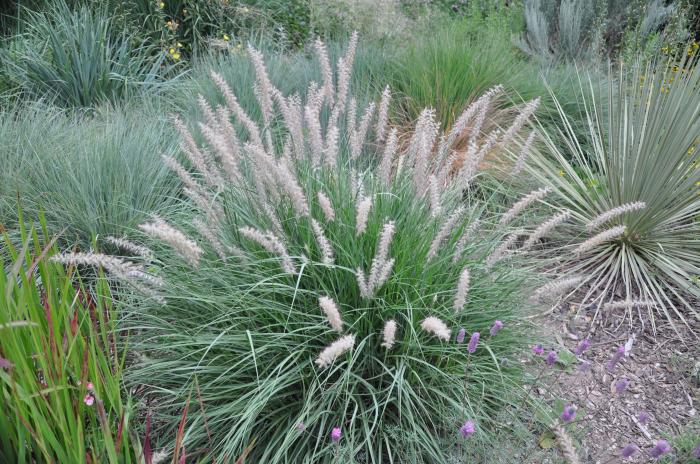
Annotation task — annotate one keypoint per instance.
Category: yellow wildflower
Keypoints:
(562, 173)
(176, 56)
(162, 4)
(226, 37)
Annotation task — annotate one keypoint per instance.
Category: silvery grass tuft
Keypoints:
(634, 196)
(340, 288)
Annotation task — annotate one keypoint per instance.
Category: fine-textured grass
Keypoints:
(91, 174)
(76, 58)
(239, 336)
(56, 337)
(644, 142)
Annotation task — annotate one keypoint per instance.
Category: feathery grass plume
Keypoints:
(521, 119)
(270, 242)
(462, 242)
(289, 182)
(161, 230)
(330, 309)
(389, 334)
(196, 156)
(553, 290)
(362, 215)
(523, 203)
(323, 244)
(445, 230)
(546, 227)
(473, 160)
(605, 236)
(325, 203)
(344, 72)
(129, 246)
(462, 290)
(351, 120)
(566, 444)
(330, 152)
(265, 87)
(358, 135)
(311, 116)
(210, 206)
(210, 118)
(335, 350)
(390, 148)
(223, 149)
(435, 207)
(210, 236)
(468, 114)
(362, 283)
(328, 89)
(435, 326)
(501, 250)
(383, 116)
(181, 172)
(615, 212)
(629, 304)
(238, 111)
(421, 147)
(523, 154)
(380, 264)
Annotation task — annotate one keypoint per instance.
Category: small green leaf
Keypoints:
(547, 440)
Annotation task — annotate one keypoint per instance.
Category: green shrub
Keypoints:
(643, 141)
(290, 225)
(55, 338)
(77, 59)
(91, 174)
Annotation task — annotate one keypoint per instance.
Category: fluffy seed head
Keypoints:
(335, 350)
(435, 326)
(601, 238)
(389, 334)
(462, 290)
(332, 313)
(615, 212)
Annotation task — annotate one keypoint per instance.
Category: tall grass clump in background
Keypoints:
(91, 174)
(634, 196)
(60, 375)
(76, 58)
(316, 306)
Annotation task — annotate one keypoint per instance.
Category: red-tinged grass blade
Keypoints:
(246, 452)
(181, 433)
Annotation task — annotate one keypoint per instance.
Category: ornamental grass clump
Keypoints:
(340, 291)
(633, 197)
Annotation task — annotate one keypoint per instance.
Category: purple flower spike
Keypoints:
(335, 434)
(552, 358)
(585, 366)
(467, 429)
(629, 450)
(583, 346)
(621, 385)
(498, 325)
(473, 342)
(569, 413)
(660, 448)
(696, 451)
(616, 358)
(538, 349)
(643, 417)
(460, 335)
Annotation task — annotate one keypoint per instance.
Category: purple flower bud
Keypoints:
(498, 325)
(616, 358)
(643, 417)
(335, 434)
(660, 448)
(552, 358)
(621, 386)
(460, 335)
(473, 342)
(585, 366)
(569, 413)
(301, 427)
(629, 450)
(467, 429)
(696, 451)
(538, 349)
(583, 346)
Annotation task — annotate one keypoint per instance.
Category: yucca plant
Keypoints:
(60, 373)
(633, 196)
(320, 312)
